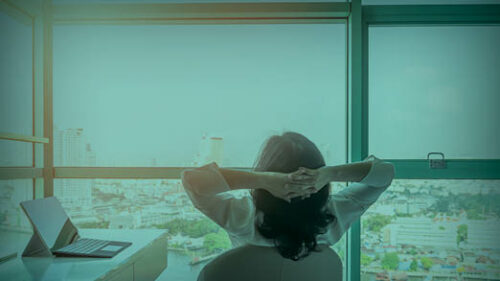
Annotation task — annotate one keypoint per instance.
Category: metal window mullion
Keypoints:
(122, 12)
(455, 169)
(11, 173)
(358, 124)
(431, 14)
(48, 151)
(38, 105)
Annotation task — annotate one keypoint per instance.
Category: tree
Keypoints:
(216, 241)
(376, 222)
(195, 229)
(426, 262)
(365, 259)
(442, 205)
(413, 265)
(462, 231)
(390, 261)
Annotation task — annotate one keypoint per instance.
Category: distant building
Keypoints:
(211, 150)
(11, 193)
(72, 149)
(441, 232)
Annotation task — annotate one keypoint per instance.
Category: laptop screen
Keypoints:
(47, 216)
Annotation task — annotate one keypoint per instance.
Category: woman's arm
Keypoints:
(281, 185)
(353, 172)
(373, 173)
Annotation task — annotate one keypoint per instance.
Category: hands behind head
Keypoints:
(301, 183)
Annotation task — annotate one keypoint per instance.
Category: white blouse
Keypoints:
(238, 215)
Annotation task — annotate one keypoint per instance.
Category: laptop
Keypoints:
(54, 233)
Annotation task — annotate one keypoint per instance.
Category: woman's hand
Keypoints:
(284, 185)
(314, 179)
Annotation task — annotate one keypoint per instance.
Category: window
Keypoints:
(433, 229)
(13, 192)
(183, 95)
(434, 88)
(427, 2)
(16, 89)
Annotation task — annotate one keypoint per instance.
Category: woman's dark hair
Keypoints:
(293, 226)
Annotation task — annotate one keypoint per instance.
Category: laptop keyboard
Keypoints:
(83, 246)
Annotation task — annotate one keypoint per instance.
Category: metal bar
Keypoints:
(358, 130)
(48, 184)
(456, 169)
(170, 11)
(38, 106)
(124, 172)
(197, 21)
(24, 138)
(20, 173)
(33, 87)
(16, 12)
(431, 14)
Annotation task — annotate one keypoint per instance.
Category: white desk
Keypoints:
(144, 260)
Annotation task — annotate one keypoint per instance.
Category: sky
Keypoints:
(151, 91)
(144, 92)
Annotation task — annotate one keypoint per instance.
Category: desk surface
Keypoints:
(70, 268)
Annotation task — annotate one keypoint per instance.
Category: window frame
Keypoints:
(356, 17)
(26, 12)
(388, 15)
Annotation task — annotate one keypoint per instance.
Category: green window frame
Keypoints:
(360, 19)
(357, 19)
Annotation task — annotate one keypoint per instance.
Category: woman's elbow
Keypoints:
(390, 173)
(186, 178)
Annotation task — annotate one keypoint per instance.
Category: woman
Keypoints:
(289, 207)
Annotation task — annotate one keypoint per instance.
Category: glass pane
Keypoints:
(13, 192)
(179, 1)
(131, 204)
(163, 204)
(433, 230)
(427, 2)
(16, 76)
(182, 95)
(341, 246)
(16, 90)
(16, 153)
(434, 88)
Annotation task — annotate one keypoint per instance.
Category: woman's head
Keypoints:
(293, 226)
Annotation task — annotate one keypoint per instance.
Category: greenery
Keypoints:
(194, 229)
(462, 232)
(218, 241)
(376, 222)
(426, 262)
(414, 265)
(441, 227)
(365, 259)
(390, 261)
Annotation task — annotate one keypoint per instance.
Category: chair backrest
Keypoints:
(250, 263)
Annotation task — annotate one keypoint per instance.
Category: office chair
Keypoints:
(250, 263)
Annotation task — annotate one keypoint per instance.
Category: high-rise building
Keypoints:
(12, 192)
(211, 150)
(72, 149)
